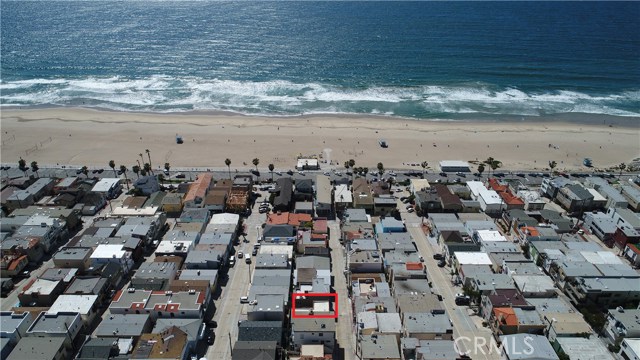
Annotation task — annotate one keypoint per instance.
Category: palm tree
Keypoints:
(35, 168)
(365, 171)
(480, 169)
(136, 170)
(149, 155)
(351, 163)
(552, 165)
(493, 163)
(22, 165)
(147, 168)
(255, 162)
(271, 168)
(380, 168)
(143, 172)
(112, 165)
(167, 166)
(123, 169)
(85, 171)
(489, 161)
(424, 165)
(228, 163)
(622, 166)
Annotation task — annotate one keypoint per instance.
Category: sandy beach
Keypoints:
(80, 137)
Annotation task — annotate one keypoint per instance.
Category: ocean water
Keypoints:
(424, 60)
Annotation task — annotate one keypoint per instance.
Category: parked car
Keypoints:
(421, 259)
(244, 300)
(240, 254)
(443, 174)
(411, 210)
(392, 173)
(254, 252)
(180, 176)
(438, 257)
(409, 207)
(247, 260)
(462, 299)
(290, 172)
(442, 263)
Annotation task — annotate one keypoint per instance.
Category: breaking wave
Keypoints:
(283, 98)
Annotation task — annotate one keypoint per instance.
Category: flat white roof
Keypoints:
(490, 235)
(453, 163)
(473, 258)
(104, 251)
(475, 187)
(125, 211)
(307, 162)
(225, 218)
(81, 304)
(490, 197)
(170, 246)
(601, 257)
(596, 195)
(343, 194)
(105, 184)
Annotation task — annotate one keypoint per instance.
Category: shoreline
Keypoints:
(568, 118)
(93, 137)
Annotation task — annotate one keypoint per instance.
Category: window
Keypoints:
(320, 334)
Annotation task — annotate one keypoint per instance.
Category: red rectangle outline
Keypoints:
(293, 306)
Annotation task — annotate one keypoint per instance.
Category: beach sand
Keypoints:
(72, 136)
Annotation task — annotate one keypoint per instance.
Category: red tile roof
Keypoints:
(298, 219)
(506, 316)
(199, 187)
(278, 218)
(413, 266)
(511, 199)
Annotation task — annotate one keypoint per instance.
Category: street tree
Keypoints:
(35, 168)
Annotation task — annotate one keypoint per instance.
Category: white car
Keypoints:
(326, 173)
(392, 173)
(278, 173)
(301, 172)
(339, 173)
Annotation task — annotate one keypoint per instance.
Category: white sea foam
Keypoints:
(163, 93)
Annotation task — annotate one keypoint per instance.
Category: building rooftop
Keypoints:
(581, 348)
(57, 323)
(313, 325)
(130, 325)
(475, 258)
(436, 322)
(37, 348)
(260, 331)
(527, 346)
(82, 304)
(379, 347)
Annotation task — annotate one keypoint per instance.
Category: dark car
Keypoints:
(438, 257)
(254, 252)
(180, 176)
(79, 171)
(498, 174)
(443, 174)
(462, 300)
(247, 260)
(442, 263)
(290, 172)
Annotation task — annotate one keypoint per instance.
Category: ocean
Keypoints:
(421, 60)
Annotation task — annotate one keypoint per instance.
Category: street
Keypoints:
(463, 324)
(228, 306)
